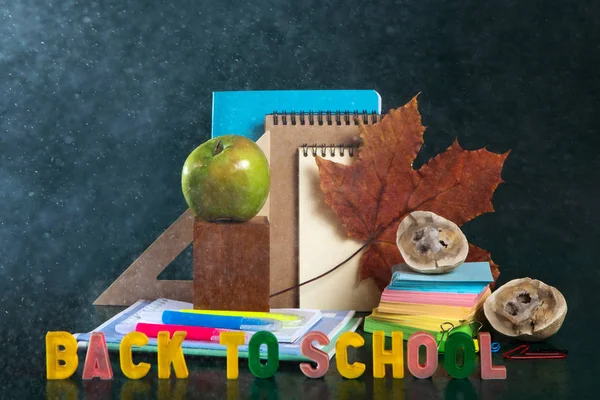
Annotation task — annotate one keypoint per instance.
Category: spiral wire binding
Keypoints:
(325, 117)
(315, 149)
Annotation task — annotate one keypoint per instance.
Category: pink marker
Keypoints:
(422, 371)
(192, 332)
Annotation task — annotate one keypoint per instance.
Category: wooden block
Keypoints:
(231, 265)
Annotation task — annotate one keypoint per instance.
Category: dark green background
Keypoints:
(101, 102)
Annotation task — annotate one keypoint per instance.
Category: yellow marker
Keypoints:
(288, 319)
(54, 370)
(349, 371)
(131, 370)
(232, 340)
(170, 352)
(381, 356)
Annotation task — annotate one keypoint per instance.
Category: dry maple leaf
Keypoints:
(374, 194)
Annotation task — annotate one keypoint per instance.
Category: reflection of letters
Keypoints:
(421, 389)
(97, 389)
(381, 391)
(133, 389)
(493, 390)
(460, 389)
(177, 393)
(315, 389)
(233, 389)
(352, 389)
(61, 389)
(264, 389)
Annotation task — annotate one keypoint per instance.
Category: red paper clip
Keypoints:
(522, 353)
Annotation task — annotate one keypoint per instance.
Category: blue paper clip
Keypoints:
(495, 347)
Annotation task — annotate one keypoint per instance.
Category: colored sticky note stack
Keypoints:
(414, 302)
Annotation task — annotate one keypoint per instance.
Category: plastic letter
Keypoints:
(256, 367)
(422, 371)
(488, 371)
(170, 352)
(97, 361)
(456, 340)
(318, 356)
(54, 370)
(232, 340)
(381, 356)
(131, 370)
(348, 371)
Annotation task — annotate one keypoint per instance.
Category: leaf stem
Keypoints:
(218, 148)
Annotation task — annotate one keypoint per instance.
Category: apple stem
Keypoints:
(218, 148)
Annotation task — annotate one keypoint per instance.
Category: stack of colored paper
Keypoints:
(415, 302)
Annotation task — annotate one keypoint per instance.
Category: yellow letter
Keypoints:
(54, 370)
(232, 340)
(131, 370)
(170, 351)
(349, 371)
(381, 356)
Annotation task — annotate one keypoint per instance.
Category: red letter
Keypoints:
(422, 371)
(318, 356)
(488, 371)
(97, 362)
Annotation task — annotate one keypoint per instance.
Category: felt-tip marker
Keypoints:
(286, 319)
(191, 332)
(171, 317)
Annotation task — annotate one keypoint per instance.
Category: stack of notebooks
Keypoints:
(415, 302)
(331, 323)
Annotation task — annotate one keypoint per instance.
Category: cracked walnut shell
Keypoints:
(526, 309)
(431, 244)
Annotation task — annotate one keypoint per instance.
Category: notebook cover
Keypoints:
(323, 243)
(242, 112)
(469, 272)
(283, 215)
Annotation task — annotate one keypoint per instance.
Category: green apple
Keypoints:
(226, 178)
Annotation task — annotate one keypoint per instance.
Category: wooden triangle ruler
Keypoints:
(140, 280)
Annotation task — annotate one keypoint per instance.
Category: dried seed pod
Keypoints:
(526, 309)
(431, 244)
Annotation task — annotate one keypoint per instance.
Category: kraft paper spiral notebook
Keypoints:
(288, 132)
(323, 243)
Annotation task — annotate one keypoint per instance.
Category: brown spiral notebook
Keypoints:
(288, 132)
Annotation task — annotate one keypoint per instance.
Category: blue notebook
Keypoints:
(469, 277)
(243, 112)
